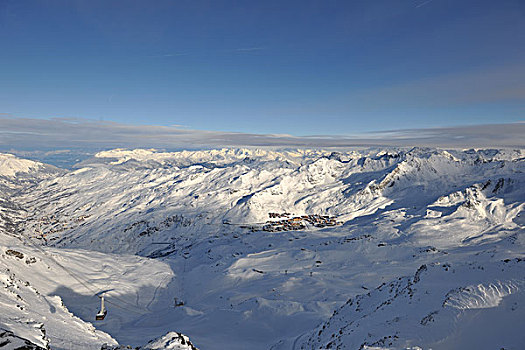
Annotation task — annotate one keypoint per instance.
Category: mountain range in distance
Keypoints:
(364, 248)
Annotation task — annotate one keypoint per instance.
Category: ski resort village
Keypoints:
(398, 248)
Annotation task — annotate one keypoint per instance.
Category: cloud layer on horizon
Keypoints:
(63, 133)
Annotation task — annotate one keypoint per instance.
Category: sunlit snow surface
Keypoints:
(429, 254)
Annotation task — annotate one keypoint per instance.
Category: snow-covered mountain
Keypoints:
(35, 280)
(242, 248)
(17, 174)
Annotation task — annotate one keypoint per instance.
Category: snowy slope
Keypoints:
(209, 269)
(12, 166)
(37, 283)
(36, 312)
(17, 173)
(9, 340)
(133, 198)
(31, 314)
(442, 306)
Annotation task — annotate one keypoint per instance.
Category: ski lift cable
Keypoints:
(76, 277)
(123, 308)
(85, 283)
(122, 301)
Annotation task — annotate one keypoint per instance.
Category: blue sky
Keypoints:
(295, 67)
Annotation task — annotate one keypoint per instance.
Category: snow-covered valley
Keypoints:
(262, 249)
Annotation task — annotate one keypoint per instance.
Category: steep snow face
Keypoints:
(171, 341)
(125, 200)
(48, 296)
(9, 339)
(32, 315)
(16, 175)
(11, 166)
(483, 296)
(31, 307)
(229, 279)
(43, 282)
(37, 283)
(16, 172)
(438, 307)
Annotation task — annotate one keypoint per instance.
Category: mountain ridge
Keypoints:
(201, 225)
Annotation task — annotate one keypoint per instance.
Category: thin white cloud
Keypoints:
(423, 3)
(249, 49)
(168, 55)
(59, 133)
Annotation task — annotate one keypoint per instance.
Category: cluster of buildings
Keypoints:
(278, 215)
(54, 225)
(297, 222)
(49, 219)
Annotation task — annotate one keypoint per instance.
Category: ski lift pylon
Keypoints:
(103, 312)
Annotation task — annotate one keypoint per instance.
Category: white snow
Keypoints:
(482, 296)
(151, 229)
(10, 165)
